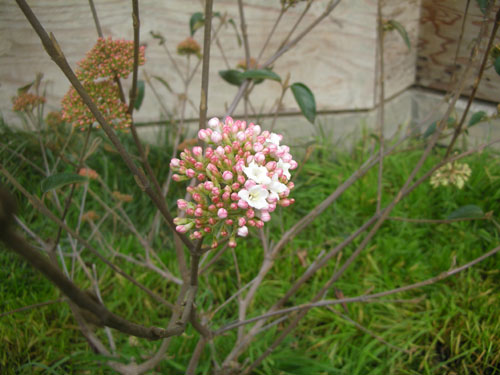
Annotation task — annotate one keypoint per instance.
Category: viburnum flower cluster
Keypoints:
(26, 102)
(451, 174)
(243, 175)
(106, 61)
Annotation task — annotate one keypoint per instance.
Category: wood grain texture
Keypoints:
(337, 60)
(440, 26)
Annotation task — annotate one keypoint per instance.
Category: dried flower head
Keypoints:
(242, 175)
(126, 198)
(189, 46)
(88, 172)
(90, 216)
(26, 102)
(451, 174)
(242, 64)
(107, 60)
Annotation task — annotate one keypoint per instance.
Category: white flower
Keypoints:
(257, 173)
(276, 187)
(242, 231)
(284, 166)
(255, 196)
(274, 139)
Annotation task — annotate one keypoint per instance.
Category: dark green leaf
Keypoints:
(305, 99)
(25, 88)
(483, 5)
(261, 74)
(197, 21)
(163, 82)
(401, 30)
(141, 87)
(469, 211)
(432, 127)
(232, 76)
(476, 118)
(496, 64)
(58, 180)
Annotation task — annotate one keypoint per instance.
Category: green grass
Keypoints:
(453, 329)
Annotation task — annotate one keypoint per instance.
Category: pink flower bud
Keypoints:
(249, 184)
(272, 198)
(259, 224)
(250, 213)
(240, 136)
(232, 243)
(182, 204)
(242, 231)
(198, 212)
(285, 202)
(208, 185)
(220, 205)
(212, 208)
(197, 235)
(293, 164)
(181, 228)
(287, 158)
(242, 204)
(235, 196)
(212, 221)
(229, 222)
(224, 233)
(279, 172)
(251, 223)
(175, 163)
(176, 177)
(233, 206)
(216, 191)
(271, 166)
(271, 207)
(260, 158)
(199, 166)
(220, 151)
(209, 152)
(272, 148)
(197, 197)
(216, 137)
(241, 179)
(257, 129)
(226, 196)
(197, 151)
(190, 173)
(222, 213)
(235, 186)
(241, 221)
(203, 135)
(190, 211)
(227, 176)
(213, 169)
(213, 123)
(264, 216)
(201, 177)
(207, 229)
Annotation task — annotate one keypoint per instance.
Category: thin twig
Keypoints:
(206, 64)
(30, 307)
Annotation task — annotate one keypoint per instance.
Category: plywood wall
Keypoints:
(440, 28)
(337, 60)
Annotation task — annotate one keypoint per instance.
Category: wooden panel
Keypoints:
(441, 22)
(337, 60)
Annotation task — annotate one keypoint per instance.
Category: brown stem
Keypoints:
(136, 24)
(36, 305)
(476, 84)
(96, 19)
(206, 64)
(381, 102)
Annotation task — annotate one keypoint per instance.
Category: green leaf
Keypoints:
(164, 83)
(476, 118)
(140, 94)
(25, 88)
(61, 179)
(236, 31)
(470, 211)
(196, 21)
(432, 127)
(401, 30)
(232, 76)
(496, 64)
(261, 74)
(305, 99)
(483, 5)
